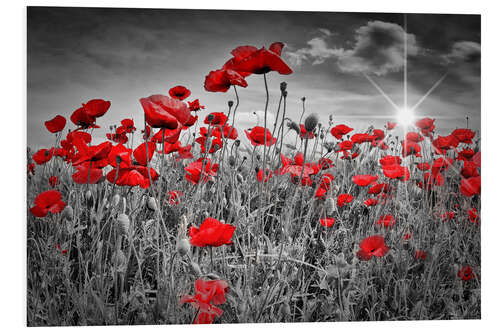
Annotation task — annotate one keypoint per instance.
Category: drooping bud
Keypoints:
(67, 213)
(182, 247)
(123, 224)
(293, 125)
(116, 200)
(311, 122)
(151, 204)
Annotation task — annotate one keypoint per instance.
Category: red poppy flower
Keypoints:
(447, 216)
(128, 125)
(169, 135)
(327, 222)
(345, 145)
(371, 202)
(96, 108)
(477, 159)
(396, 171)
(340, 130)
(211, 233)
(215, 144)
(372, 246)
(344, 199)
(423, 166)
(463, 135)
(165, 112)
(364, 180)
(216, 118)
(260, 175)
(386, 220)
(195, 105)
(228, 132)
(118, 138)
(179, 92)
(414, 137)
(250, 60)
(473, 215)
(53, 181)
(208, 293)
(444, 143)
(257, 136)
(94, 154)
(362, 138)
(470, 186)
(426, 125)
(80, 118)
(465, 273)
(222, 79)
(465, 154)
(420, 254)
(172, 147)
(174, 197)
(133, 176)
(122, 154)
(48, 201)
(192, 120)
(43, 156)
(141, 155)
(469, 170)
(390, 125)
(407, 236)
(184, 152)
(410, 148)
(194, 172)
(377, 188)
(56, 124)
(31, 168)
(325, 163)
(304, 134)
(81, 176)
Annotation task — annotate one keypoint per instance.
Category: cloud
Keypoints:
(316, 52)
(379, 49)
(464, 61)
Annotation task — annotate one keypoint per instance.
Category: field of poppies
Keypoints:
(174, 220)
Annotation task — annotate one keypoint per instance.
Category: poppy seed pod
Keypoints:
(151, 204)
(283, 86)
(210, 117)
(67, 213)
(230, 103)
(311, 122)
(237, 143)
(285, 93)
(303, 99)
(123, 224)
(182, 247)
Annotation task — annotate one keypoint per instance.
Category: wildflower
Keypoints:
(179, 92)
(364, 180)
(216, 118)
(470, 186)
(208, 293)
(165, 112)
(344, 199)
(56, 124)
(371, 202)
(211, 233)
(473, 216)
(257, 136)
(174, 197)
(43, 156)
(420, 254)
(222, 79)
(386, 220)
(426, 126)
(194, 173)
(305, 134)
(340, 130)
(372, 246)
(390, 125)
(327, 222)
(48, 201)
(53, 181)
(463, 135)
(465, 273)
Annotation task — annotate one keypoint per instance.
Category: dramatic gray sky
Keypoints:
(121, 55)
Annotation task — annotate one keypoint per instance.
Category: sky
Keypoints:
(121, 55)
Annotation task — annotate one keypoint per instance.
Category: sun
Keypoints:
(405, 117)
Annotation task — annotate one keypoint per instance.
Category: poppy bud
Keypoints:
(330, 205)
(230, 103)
(123, 224)
(257, 157)
(182, 247)
(322, 136)
(151, 204)
(195, 268)
(88, 195)
(285, 310)
(239, 177)
(330, 117)
(116, 199)
(232, 160)
(311, 122)
(283, 86)
(285, 93)
(237, 142)
(67, 213)
(303, 99)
